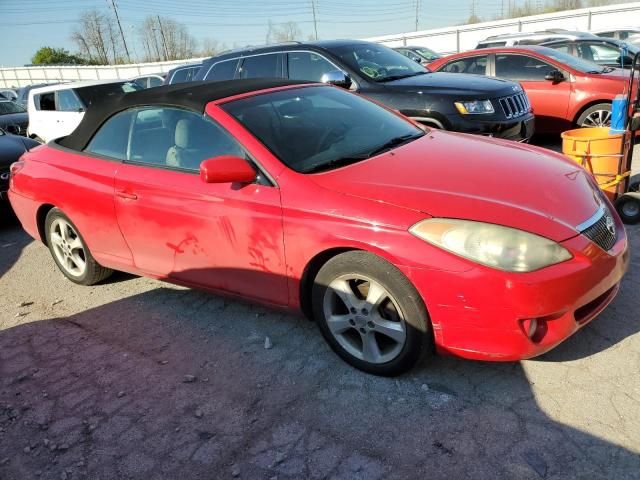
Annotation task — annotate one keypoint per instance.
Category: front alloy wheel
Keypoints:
(70, 252)
(370, 314)
(596, 116)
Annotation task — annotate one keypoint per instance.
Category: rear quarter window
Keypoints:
(225, 70)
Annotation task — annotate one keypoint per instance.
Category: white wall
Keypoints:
(20, 76)
(466, 37)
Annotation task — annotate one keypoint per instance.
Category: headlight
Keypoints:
(475, 106)
(492, 245)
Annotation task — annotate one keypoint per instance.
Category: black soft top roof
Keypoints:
(102, 102)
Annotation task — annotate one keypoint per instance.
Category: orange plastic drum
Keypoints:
(597, 151)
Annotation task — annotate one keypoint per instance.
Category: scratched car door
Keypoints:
(224, 236)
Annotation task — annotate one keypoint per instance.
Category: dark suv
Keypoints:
(463, 103)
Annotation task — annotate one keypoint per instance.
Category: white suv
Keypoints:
(56, 110)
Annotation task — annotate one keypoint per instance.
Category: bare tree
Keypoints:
(97, 38)
(166, 39)
(211, 47)
(286, 32)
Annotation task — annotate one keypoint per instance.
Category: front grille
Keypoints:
(602, 232)
(515, 105)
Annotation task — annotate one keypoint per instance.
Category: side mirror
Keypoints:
(337, 78)
(226, 169)
(554, 76)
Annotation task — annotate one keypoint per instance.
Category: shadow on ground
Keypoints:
(177, 384)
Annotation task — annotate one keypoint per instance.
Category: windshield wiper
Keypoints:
(342, 161)
(395, 142)
(608, 69)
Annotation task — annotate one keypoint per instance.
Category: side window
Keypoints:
(46, 101)
(308, 66)
(67, 101)
(562, 48)
(179, 76)
(522, 68)
(175, 138)
(476, 65)
(261, 66)
(607, 34)
(223, 70)
(154, 82)
(602, 53)
(112, 138)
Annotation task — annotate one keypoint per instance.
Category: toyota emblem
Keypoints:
(610, 225)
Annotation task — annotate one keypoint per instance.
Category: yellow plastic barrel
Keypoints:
(599, 152)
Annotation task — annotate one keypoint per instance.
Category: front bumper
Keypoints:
(520, 129)
(479, 313)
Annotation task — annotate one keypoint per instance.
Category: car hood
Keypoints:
(463, 85)
(463, 176)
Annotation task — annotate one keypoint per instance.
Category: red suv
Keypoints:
(564, 91)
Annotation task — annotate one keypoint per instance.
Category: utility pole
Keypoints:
(417, 13)
(124, 42)
(473, 9)
(315, 23)
(164, 40)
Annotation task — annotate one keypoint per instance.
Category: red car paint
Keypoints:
(259, 241)
(557, 106)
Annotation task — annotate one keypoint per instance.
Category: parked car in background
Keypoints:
(23, 93)
(149, 81)
(11, 148)
(620, 33)
(56, 110)
(13, 118)
(458, 103)
(531, 38)
(564, 90)
(310, 198)
(422, 55)
(9, 94)
(181, 74)
(606, 52)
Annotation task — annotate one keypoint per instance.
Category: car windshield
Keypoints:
(377, 62)
(7, 107)
(576, 63)
(313, 129)
(428, 54)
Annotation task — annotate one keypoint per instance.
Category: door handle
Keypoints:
(126, 195)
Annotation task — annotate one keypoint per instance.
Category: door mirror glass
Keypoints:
(227, 169)
(337, 78)
(554, 76)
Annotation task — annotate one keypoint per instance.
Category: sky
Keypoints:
(27, 25)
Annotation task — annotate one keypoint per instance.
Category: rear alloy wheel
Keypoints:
(370, 314)
(596, 116)
(70, 252)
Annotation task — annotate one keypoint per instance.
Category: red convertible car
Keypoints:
(394, 237)
(563, 90)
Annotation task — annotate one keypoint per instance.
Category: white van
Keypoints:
(56, 110)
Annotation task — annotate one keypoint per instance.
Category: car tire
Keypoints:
(628, 207)
(70, 252)
(598, 115)
(370, 314)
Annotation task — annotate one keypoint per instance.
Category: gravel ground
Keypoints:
(140, 379)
